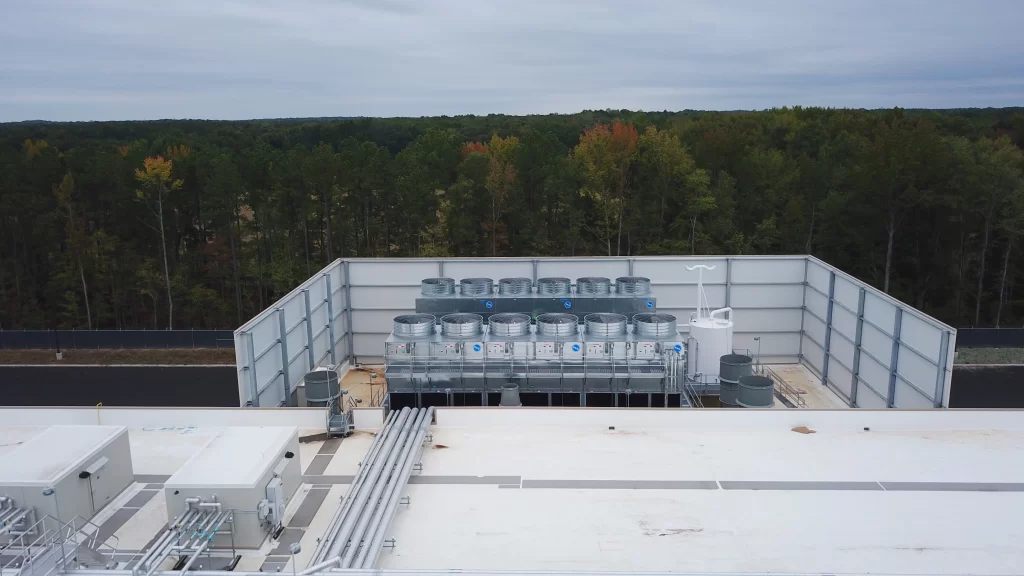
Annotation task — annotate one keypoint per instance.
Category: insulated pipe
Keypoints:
(357, 485)
(720, 311)
(162, 541)
(360, 500)
(184, 569)
(371, 550)
(335, 523)
(375, 503)
(369, 523)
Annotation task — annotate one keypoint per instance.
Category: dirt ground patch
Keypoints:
(188, 356)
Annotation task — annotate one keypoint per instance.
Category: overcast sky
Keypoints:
(132, 59)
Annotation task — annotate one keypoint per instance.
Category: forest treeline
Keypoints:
(203, 224)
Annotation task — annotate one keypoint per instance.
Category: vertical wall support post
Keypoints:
(440, 268)
(254, 387)
(855, 381)
(534, 272)
(330, 318)
(941, 367)
(285, 377)
(309, 329)
(728, 282)
(630, 266)
(348, 313)
(828, 328)
(894, 362)
(803, 313)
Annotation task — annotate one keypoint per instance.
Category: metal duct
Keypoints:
(553, 286)
(461, 325)
(437, 287)
(593, 286)
(656, 326)
(633, 285)
(557, 325)
(606, 325)
(515, 286)
(414, 325)
(511, 324)
(476, 286)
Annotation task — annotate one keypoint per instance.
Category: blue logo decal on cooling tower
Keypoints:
(476, 347)
(679, 348)
(650, 304)
(575, 347)
(567, 304)
(488, 304)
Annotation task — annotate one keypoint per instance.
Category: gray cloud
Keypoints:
(116, 59)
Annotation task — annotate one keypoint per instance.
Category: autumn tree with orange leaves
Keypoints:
(606, 154)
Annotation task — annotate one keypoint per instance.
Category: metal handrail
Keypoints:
(785, 388)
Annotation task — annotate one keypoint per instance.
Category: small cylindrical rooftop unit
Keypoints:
(322, 386)
(553, 286)
(461, 325)
(557, 325)
(593, 286)
(732, 367)
(606, 325)
(437, 286)
(655, 326)
(509, 324)
(515, 286)
(413, 325)
(756, 392)
(476, 286)
(633, 285)
(510, 395)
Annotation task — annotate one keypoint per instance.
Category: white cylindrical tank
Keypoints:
(711, 339)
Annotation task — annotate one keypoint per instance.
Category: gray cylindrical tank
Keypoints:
(732, 367)
(322, 386)
(510, 395)
(756, 392)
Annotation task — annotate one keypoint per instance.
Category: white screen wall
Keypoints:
(781, 300)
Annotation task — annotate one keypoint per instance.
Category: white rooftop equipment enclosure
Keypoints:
(236, 466)
(871, 349)
(85, 466)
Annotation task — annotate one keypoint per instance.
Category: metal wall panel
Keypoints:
(817, 303)
(846, 293)
(767, 320)
(813, 353)
(916, 369)
(814, 328)
(391, 272)
(765, 296)
(817, 277)
(908, 396)
(879, 312)
(385, 297)
(778, 348)
(676, 296)
(844, 321)
(878, 345)
(842, 351)
(840, 380)
(754, 270)
(673, 271)
(494, 269)
(579, 267)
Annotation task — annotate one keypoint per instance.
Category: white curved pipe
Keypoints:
(721, 311)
